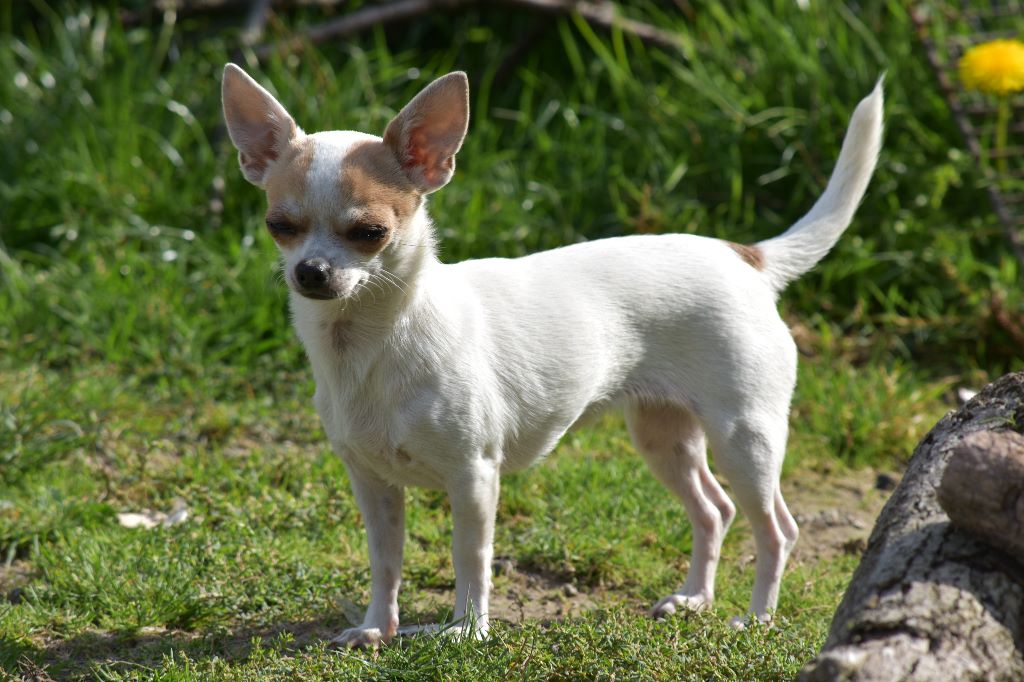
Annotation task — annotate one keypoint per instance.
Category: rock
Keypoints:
(982, 489)
(885, 482)
(930, 599)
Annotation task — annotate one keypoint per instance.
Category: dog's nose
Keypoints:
(311, 274)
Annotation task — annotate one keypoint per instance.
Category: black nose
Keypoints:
(311, 275)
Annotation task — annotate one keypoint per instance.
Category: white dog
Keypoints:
(447, 376)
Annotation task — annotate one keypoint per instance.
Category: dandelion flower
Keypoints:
(996, 67)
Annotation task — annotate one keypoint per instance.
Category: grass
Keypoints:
(118, 177)
(274, 548)
(145, 355)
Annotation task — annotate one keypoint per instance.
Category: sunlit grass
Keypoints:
(274, 543)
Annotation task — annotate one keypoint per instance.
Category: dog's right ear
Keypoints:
(257, 123)
(426, 134)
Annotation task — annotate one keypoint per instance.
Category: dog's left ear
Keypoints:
(258, 125)
(428, 132)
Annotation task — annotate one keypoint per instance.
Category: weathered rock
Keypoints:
(930, 600)
(982, 489)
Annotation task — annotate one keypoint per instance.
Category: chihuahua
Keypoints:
(447, 376)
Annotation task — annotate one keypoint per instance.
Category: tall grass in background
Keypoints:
(129, 237)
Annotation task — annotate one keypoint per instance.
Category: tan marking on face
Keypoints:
(288, 184)
(372, 181)
(751, 254)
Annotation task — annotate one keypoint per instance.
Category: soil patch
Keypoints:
(835, 512)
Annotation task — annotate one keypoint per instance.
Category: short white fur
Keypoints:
(447, 376)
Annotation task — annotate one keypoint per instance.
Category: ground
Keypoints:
(271, 561)
(835, 513)
(835, 510)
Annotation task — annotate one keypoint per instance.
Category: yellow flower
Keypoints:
(996, 67)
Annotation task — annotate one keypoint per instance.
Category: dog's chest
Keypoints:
(373, 434)
(367, 405)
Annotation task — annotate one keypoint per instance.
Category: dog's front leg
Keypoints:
(383, 509)
(474, 500)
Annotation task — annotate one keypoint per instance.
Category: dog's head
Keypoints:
(341, 204)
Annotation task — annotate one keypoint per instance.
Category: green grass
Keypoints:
(117, 176)
(146, 358)
(275, 549)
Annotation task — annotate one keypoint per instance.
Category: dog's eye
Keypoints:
(280, 228)
(367, 232)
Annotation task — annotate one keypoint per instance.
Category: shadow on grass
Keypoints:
(13, 650)
(144, 649)
(82, 655)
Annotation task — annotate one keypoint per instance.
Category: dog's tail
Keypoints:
(799, 248)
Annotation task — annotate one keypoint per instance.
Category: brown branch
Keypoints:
(602, 15)
(205, 5)
(605, 16)
(358, 21)
(256, 22)
(131, 17)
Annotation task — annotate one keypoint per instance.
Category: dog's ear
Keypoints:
(427, 133)
(257, 123)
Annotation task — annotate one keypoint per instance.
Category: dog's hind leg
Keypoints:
(748, 450)
(672, 442)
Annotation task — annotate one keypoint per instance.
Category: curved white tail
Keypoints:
(799, 248)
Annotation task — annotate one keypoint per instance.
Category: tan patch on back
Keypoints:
(751, 254)
(373, 180)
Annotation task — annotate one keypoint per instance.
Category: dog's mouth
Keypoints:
(325, 293)
(330, 289)
(323, 290)
(318, 295)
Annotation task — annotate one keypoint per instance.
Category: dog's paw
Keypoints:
(674, 603)
(360, 638)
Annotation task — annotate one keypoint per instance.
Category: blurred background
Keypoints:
(128, 236)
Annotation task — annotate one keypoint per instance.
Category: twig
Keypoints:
(204, 5)
(259, 12)
(601, 14)
(131, 17)
(604, 15)
(356, 22)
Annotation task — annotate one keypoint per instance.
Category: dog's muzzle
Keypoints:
(312, 279)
